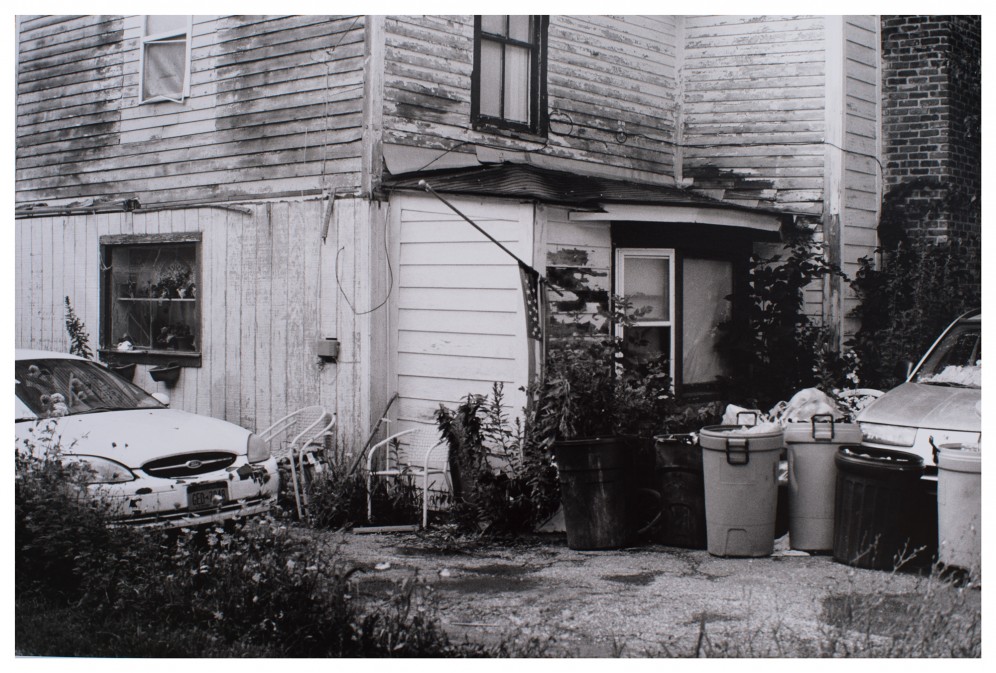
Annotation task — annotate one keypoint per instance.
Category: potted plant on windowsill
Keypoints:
(175, 336)
(171, 279)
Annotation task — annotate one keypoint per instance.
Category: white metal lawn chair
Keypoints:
(300, 437)
(417, 445)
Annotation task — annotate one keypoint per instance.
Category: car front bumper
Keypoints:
(149, 501)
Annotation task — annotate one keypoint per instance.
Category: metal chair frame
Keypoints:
(307, 442)
(422, 470)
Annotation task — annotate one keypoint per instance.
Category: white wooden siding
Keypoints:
(276, 106)
(754, 109)
(460, 317)
(862, 172)
(604, 74)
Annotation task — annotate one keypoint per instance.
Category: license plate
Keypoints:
(206, 497)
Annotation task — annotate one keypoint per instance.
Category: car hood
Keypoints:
(927, 406)
(136, 436)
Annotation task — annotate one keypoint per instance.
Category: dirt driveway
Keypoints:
(661, 601)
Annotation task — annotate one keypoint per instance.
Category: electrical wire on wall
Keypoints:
(390, 273)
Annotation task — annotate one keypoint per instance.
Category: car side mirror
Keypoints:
(162, 397)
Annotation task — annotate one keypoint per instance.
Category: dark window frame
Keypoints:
(151, 356)
(734, 246)
(538, 114)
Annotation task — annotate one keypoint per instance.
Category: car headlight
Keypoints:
(102, 470)
(258, 450)
(892, 435)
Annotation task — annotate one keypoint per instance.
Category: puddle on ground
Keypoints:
(408, 550)
(873, 613)
(486, 584)
(374, 586)
(710, 617)
(639, 579)
(502, 570)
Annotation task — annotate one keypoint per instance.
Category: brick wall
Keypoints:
(931, 102)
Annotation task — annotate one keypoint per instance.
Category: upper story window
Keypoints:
(509, 80)
(165, 58)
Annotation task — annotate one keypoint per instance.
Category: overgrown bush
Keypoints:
(336, 498)
(502, 472)
(778, 349)
(904, 305)
(602, 384)
(55, 519)
(83, 588)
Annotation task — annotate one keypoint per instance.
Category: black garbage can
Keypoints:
(876, 506)
(678, 477)
(595, 492)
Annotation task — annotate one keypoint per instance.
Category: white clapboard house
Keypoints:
(268, 174)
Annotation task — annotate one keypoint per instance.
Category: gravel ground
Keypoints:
(642, 601)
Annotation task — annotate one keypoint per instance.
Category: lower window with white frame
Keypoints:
(679, 302)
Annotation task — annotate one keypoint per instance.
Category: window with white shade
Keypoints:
(165, 65)
(682, 301)
(509, 75)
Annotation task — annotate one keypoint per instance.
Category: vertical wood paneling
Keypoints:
(279, 343)
(258, 326)
(232, 287)
(862, 173)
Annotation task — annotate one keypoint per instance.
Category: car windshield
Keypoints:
(957, 359)
(55, 387)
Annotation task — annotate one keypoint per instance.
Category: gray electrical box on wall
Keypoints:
(327, 349)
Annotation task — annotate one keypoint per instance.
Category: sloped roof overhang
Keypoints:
(592, 198)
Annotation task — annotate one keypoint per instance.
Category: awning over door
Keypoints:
(593, 198)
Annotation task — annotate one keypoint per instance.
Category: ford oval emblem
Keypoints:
(193, 464)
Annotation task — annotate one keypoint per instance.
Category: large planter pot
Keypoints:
(167, 374)
(594, 491)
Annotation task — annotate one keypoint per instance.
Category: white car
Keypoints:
(941, 400)
(154, 465)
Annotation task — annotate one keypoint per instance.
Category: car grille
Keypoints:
(188, 464)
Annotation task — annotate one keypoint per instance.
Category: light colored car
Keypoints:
(941, 400)
(154, 465)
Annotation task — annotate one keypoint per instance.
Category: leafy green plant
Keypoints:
(336, 498)
(603, 386)
(259, 589)
(79, 339)
(920, 287)
(54, 515)
(774, 351)
(502, 472)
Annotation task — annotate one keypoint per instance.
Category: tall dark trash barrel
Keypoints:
(595, 492)
(679, 480)
(875, 508)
